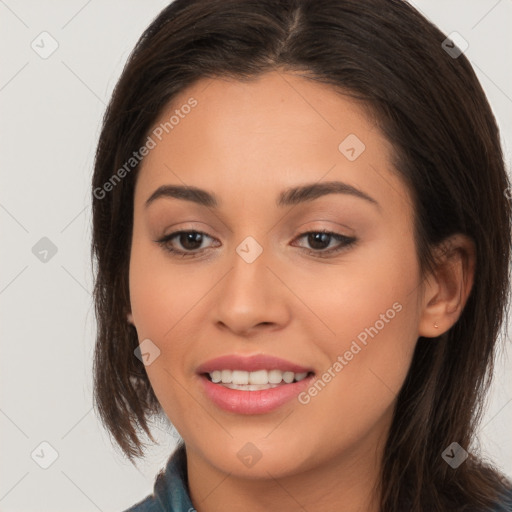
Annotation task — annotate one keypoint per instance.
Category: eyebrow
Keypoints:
(288, 197)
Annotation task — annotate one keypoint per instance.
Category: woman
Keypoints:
(302, 235)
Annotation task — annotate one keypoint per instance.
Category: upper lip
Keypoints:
(250, 363)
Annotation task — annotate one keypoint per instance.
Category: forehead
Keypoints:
(280, 110)
(272, 132)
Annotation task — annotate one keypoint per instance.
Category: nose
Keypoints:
(251, 297)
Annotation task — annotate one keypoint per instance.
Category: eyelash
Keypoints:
(345, 241)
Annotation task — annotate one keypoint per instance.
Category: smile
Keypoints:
(254, 384)
(256, 380)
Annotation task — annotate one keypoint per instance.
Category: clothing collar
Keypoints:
(171, 488)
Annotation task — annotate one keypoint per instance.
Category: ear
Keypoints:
(446, 291)
(129, 317)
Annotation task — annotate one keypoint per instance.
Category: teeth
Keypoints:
(275, 376)
(288, 377)
(239, 377)
(257, 378)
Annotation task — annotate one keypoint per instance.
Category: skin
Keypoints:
(247, 142)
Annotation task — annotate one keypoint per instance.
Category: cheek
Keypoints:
(368, 329)
(159, 300)
(160, 294)
(369, 295)
(367, 362)
(166, 300)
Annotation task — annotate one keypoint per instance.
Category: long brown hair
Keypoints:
(431, 108)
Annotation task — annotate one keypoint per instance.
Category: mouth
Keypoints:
(255, 380)
(255, 384)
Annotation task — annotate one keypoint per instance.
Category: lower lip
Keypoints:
(253, 402)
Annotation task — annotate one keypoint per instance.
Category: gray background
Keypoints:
(51, 110)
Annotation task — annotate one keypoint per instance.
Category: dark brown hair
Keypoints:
(431, 108)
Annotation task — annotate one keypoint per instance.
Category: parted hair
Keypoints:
(446, 148)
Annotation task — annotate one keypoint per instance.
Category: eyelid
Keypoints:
(314, 227)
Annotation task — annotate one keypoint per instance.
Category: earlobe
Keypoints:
(446, 293)
(129, 317)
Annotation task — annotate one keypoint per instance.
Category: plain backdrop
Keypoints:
(51, 109)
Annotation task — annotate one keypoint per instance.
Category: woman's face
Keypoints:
(345, 311)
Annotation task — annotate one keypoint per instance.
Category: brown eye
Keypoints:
(319, 241)
(188, 242)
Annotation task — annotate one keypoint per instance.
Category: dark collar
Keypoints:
(170, 492)
(171, 487)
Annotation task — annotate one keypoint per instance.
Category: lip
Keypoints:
(250, 364)
(252, 402)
